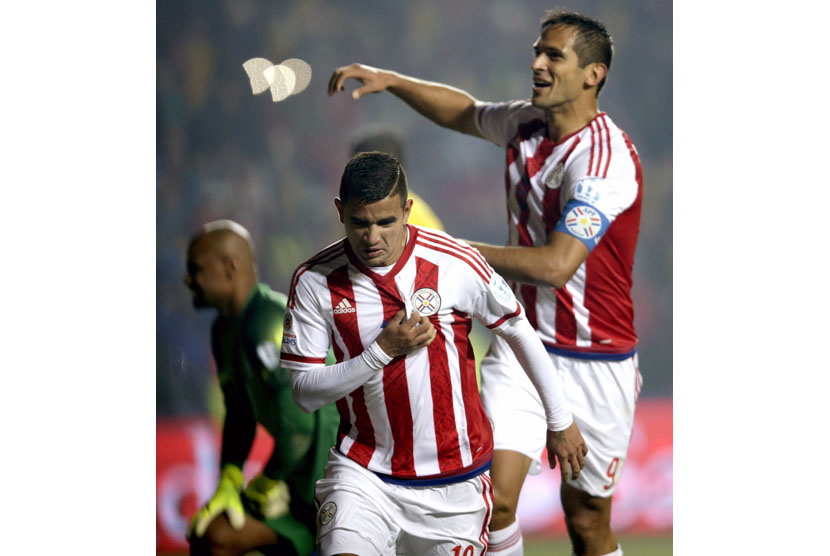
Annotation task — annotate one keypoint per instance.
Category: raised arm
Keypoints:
(446, 106)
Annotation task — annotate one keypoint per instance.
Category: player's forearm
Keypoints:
(536, 362)
(238, 434)
(446, 106)
(321, 385)
(531, 265)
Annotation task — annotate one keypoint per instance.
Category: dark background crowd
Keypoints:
(222, 152)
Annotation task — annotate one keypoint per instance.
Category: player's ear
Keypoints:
(231, 265)
(594, 73)
(339, 206)
(407, 210)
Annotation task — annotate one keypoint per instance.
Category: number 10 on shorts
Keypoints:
(456, 551)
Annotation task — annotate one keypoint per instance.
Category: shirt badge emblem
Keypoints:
(426, 301)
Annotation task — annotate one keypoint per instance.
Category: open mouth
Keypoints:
(539, 86)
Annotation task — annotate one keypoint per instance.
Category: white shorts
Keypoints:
(360, 514)
(601, 395)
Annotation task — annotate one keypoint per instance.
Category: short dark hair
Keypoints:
(592, 44)
(372, 176)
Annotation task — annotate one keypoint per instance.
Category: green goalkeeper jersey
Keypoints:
(257, 390)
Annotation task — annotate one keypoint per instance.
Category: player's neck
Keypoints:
(237, 303)
(569, 118)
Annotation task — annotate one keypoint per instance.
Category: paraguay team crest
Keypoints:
(327, 512)
(583, 222)
(554, 179)
(426, 301)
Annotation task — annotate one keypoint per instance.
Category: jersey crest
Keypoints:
(554, 179)
(426, 301)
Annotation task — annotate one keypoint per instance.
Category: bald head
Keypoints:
(225, 238)
(220, 266)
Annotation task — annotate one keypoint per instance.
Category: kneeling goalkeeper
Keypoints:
(275, 512)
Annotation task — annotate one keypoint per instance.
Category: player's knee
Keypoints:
(585, 524)
(504, 510)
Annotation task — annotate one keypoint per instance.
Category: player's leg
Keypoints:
(508, 473)
(519, 426)
(588, 519)
(602, 397)
(221, 539)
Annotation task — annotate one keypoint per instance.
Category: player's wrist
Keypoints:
(560, 422)
(231, 474)
(376, 357)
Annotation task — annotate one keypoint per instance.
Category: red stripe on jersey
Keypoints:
(479, 433)
(599, 158)
(302, 358)
(364, 445)
(528, 294)
(465, 252)
(443, 412)
(608, 274)
(460, 247)
(448, 252)
(331, 252)
(340, 288)
(487, 493)
(593, 144)
(506, 317)
(396, 392)
(608, 141)
(565, 320)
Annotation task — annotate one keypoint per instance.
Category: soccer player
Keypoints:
(408, 474)
(275, 512)
(574, 188)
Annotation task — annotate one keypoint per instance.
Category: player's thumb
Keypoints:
(361, 91)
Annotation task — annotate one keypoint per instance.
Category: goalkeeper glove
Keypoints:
(225, 499)
(268, 497)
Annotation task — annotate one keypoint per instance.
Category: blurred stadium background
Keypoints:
(224, 153)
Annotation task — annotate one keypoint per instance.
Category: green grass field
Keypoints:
(558, 546)
(632, 546)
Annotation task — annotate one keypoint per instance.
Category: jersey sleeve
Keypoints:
(496, 304)
(593, 201)
(497, 121)
(306, 334)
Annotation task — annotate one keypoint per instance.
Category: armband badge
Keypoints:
(583, 222)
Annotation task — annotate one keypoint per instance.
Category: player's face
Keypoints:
(557, 77)
(207, 276)
(376, 231)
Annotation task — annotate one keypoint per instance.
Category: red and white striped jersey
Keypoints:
(421, 418)
(588, 185)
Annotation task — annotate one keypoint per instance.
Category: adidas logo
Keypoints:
(344, 307)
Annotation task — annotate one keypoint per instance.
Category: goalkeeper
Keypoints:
(275, 512)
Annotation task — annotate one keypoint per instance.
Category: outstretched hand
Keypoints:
(569, 448)
(372, 79)
(402, 335)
